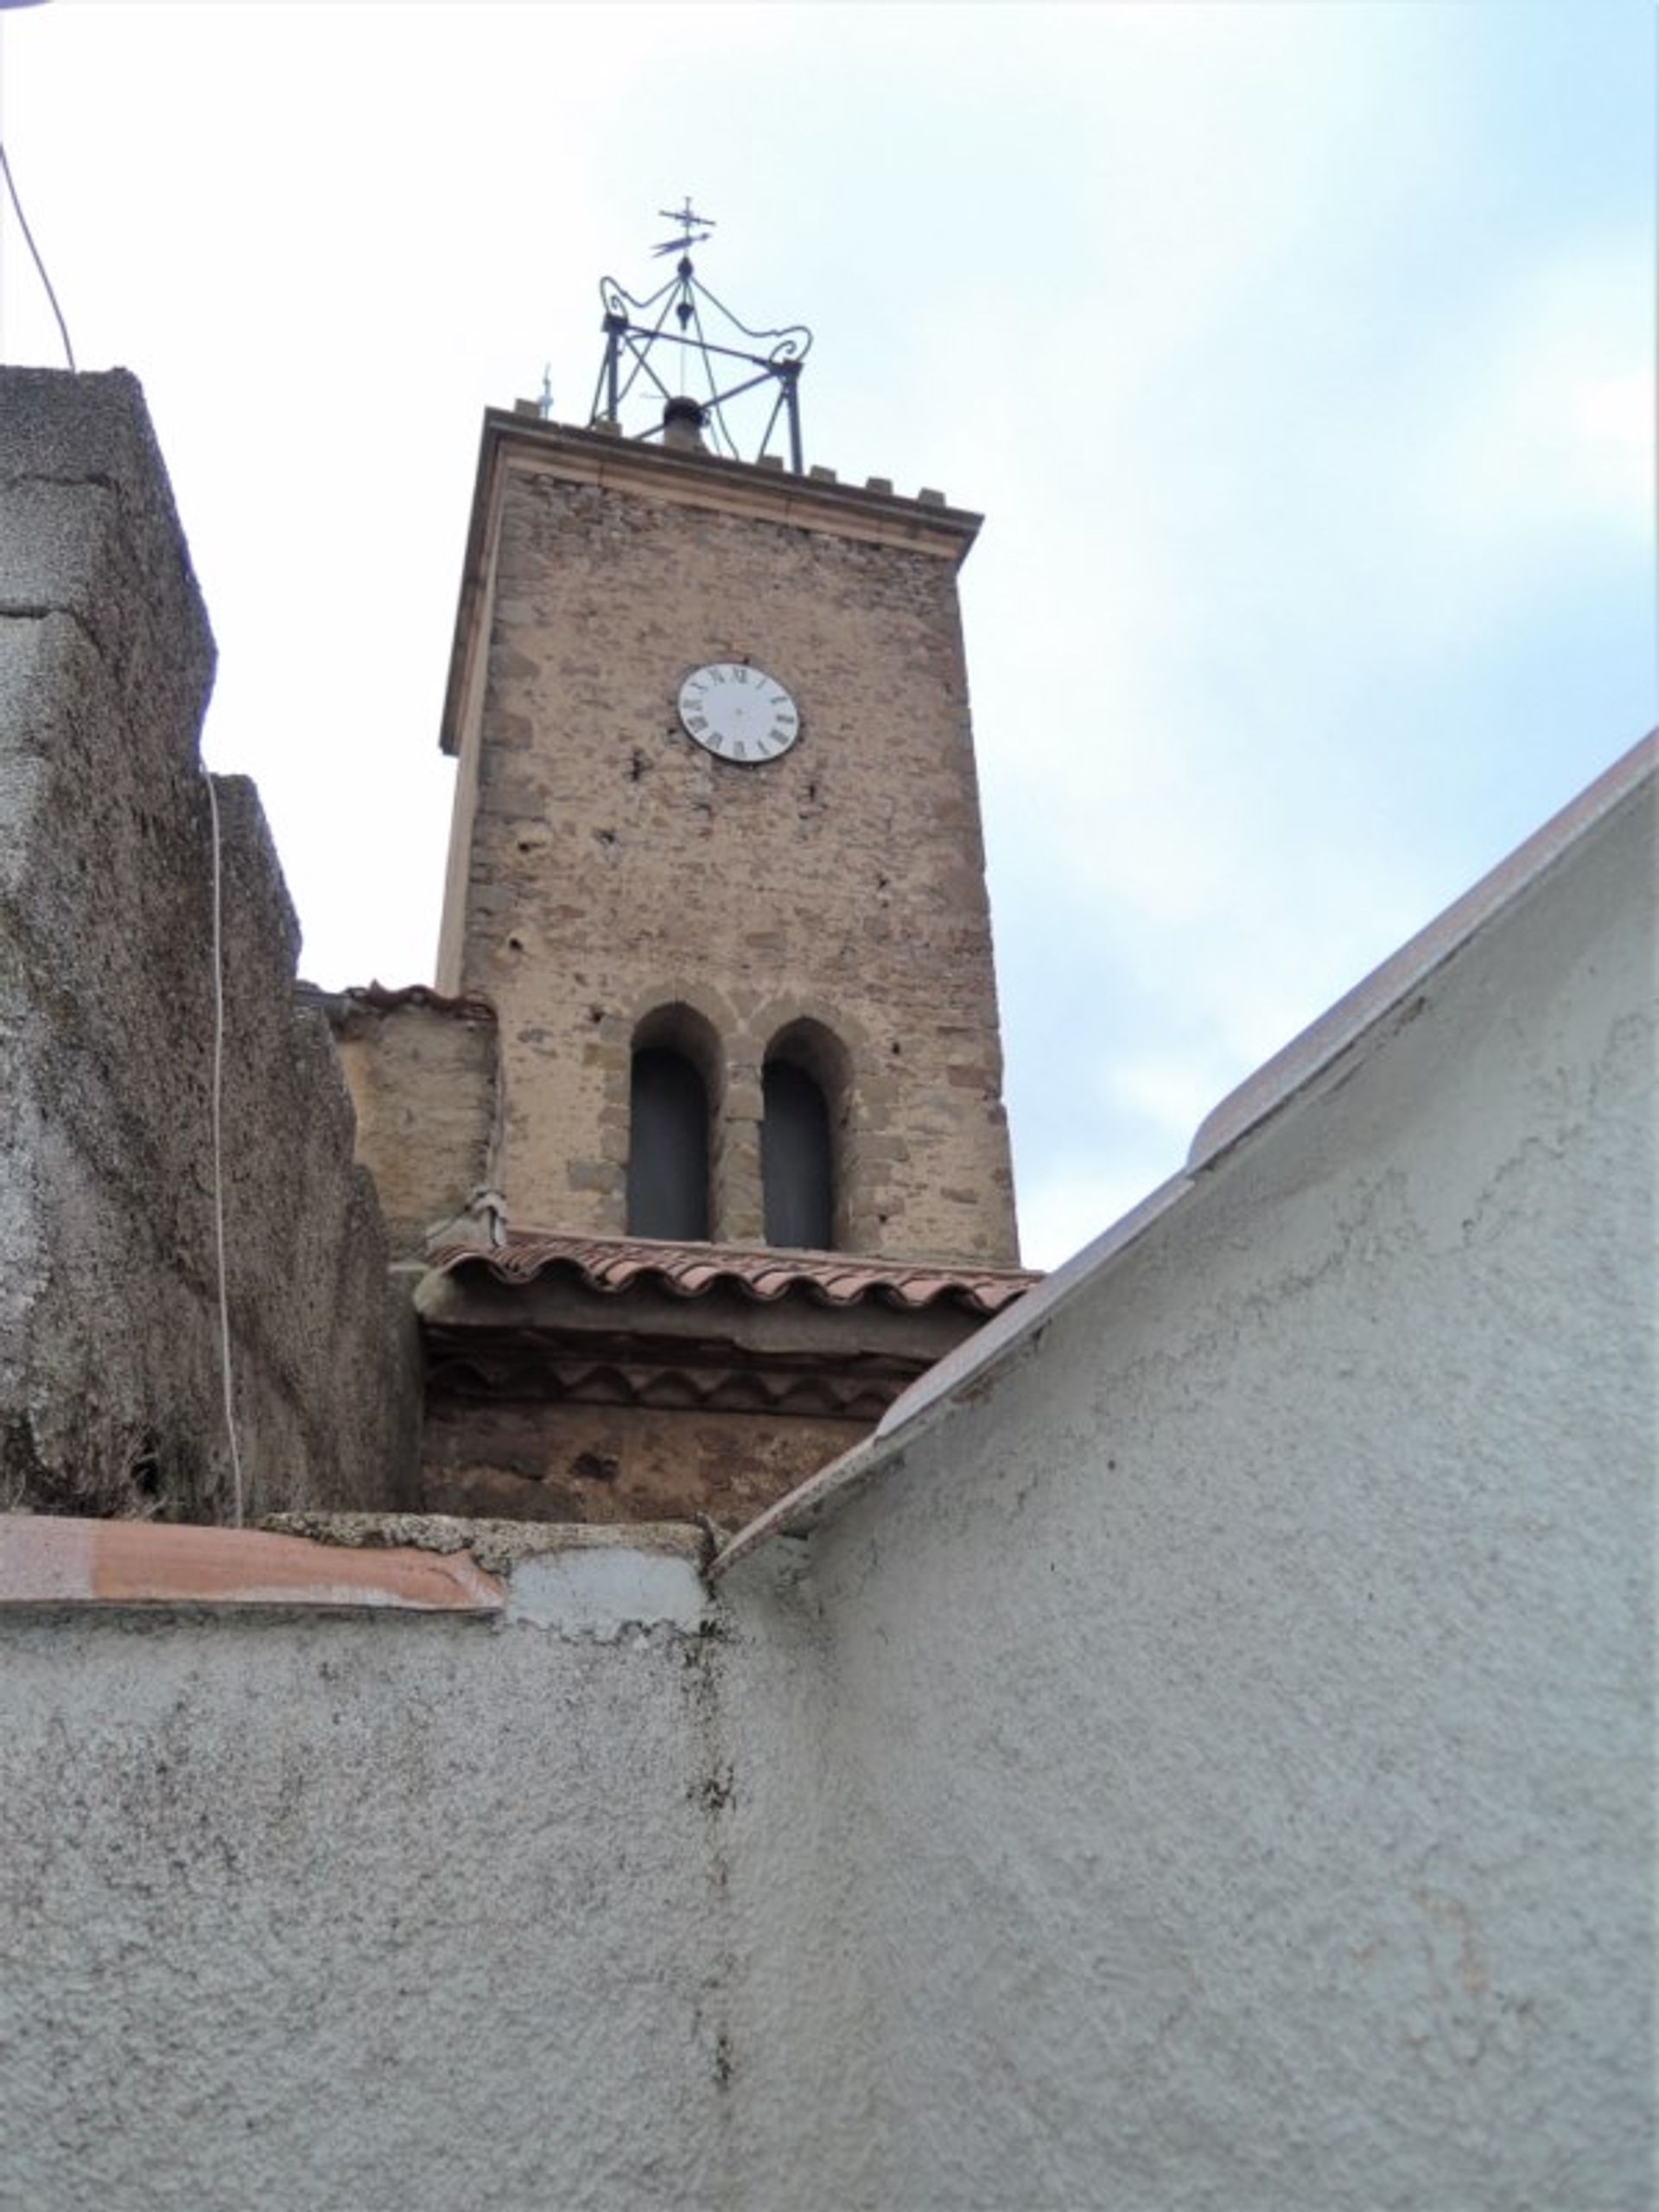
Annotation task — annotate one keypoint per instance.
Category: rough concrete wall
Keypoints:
(1248, 1701)
(110, 1386)
(402, 1915)
(614, 867)
(423, 1078)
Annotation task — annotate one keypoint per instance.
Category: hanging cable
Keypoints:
(35, 251)
(218, 1155)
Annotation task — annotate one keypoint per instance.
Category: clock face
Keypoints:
(737, 713)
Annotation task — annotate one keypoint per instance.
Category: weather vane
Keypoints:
(694, 229)
(642, 349)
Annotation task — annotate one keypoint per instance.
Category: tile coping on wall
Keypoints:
(376, 1562)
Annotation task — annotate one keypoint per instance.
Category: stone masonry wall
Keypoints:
(111, 1386)
(616, 869)
(578, 1462)
(421, 1073)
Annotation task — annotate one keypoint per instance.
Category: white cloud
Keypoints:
(1168, 1093)
(1547, 437)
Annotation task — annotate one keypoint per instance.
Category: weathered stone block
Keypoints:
(111, 1387)
(423, 1075)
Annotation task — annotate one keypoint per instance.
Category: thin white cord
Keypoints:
(10, 183)
(35, 253)
(219, 1157)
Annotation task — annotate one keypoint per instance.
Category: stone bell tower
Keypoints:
(817, 888)
(715, 862)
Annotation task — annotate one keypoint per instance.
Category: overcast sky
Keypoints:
(1300, 358)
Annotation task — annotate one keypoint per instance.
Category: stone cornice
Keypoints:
(739, 487)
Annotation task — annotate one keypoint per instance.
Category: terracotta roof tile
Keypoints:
(46, 1560)
(616, 1264)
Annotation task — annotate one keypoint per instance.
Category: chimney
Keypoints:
(683, 425)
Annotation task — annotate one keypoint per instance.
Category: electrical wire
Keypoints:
(219, 1154)
(35, 251)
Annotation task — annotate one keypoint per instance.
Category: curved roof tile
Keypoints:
(616, 1264)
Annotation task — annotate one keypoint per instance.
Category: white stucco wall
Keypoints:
(379, 1911)
(361, 1913)
(1244, 1686)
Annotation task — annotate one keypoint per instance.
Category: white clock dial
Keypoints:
(737, 713)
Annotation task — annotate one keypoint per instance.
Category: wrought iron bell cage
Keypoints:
(668, 328)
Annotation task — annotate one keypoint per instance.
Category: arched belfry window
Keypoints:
(668, 1127)
(802, 1086)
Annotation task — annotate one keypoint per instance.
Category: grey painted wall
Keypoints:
(111, 1397)
(402, 1914)
(1247, 1698)
(324, 1916)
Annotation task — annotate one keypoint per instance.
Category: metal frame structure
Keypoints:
(633, 336)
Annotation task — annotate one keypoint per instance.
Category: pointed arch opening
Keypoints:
(671, 1082)
(803, 1094)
